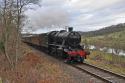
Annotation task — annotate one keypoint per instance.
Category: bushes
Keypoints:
(1, 46)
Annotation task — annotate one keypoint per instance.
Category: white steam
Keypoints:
(46, 17)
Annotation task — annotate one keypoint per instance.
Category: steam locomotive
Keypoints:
(64, 44)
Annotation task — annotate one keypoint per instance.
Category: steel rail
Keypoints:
(100, 73)
(92, 74)
(104, 70)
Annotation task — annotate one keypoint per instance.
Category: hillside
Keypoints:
(113, 40)
(106, 30)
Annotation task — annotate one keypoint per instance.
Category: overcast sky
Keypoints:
(83, 15)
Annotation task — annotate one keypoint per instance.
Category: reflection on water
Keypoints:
(108, 50)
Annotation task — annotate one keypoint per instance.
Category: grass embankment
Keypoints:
(108, 61)
(114, 40)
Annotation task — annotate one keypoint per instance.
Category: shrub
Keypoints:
(1, 46)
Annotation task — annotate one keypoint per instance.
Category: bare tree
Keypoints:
(12, 15)
(20, 5)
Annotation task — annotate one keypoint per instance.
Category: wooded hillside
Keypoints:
(106, 30)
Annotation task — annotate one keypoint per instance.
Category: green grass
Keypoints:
(114, 40)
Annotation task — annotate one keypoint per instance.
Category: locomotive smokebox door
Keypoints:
(70, 29)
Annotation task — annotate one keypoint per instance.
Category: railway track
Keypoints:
(99, 73)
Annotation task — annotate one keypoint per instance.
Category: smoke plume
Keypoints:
(46, 16)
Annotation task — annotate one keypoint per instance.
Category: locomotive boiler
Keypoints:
(65, 38)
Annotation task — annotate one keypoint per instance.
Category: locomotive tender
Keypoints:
(65, 44)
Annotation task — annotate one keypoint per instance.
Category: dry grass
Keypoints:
(33, 68)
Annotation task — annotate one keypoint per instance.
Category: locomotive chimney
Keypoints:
(70, 29)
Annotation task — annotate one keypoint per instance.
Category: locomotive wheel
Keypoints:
(60, 53)
(49, 49)
(81, 59)
(65, 55)
(69, 59)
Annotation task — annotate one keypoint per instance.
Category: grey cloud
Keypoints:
(84, 15)
(101, 17)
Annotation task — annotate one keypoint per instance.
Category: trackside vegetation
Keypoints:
(108, 61)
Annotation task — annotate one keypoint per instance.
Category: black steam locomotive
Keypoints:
(65, 44)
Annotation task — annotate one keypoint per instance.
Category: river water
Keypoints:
(108, 50)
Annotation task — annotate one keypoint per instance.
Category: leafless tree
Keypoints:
(11, 12)
(20, 4)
